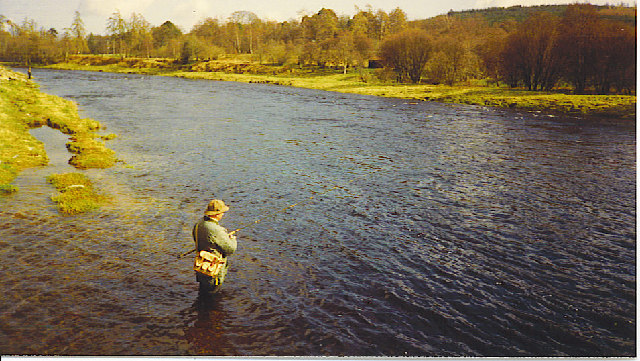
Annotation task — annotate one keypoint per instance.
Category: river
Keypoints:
(425, 229)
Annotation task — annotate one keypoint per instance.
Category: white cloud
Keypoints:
(106, 8)
(155, 11)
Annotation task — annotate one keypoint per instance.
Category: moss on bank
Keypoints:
(76, 193)
(89, 152)
(22, 107)
(243, 70)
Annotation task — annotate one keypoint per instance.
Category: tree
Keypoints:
(381, 24)
(615, 45)
(79, 33)
(457, 43)
(361, 23)
(616, 63)
(577, 44)
(117, 28)
(165, 32)
(309, 53)
(344, 50)
(275, 52)
(448, 63)
(530, 54)
(363, 47)
(397, 21)
(377, 25)
(188, 50)
(166, 39)
(321, 26)
(407, 53)
(208, 29)
(596, 53)
(28, 42)
(140, 36)
(243, 20)
(489, 50)
(288, 31)
(321, 34)
(98, 44)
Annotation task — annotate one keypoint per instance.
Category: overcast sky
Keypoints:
(185, 13)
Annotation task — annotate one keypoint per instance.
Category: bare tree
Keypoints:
(407, 53)
(79, 34)
(577, 44)
(243, 19)
(117, 27)
(530, 55)
(141, 38)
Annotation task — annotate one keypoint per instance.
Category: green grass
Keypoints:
(22, 107)
(76, 193)
(90, 152)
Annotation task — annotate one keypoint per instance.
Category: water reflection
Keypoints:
(206, 333)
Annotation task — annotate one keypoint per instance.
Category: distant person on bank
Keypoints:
(210, 236)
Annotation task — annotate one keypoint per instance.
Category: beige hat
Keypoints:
(215, 207)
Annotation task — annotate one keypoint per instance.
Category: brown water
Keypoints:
(456, 230)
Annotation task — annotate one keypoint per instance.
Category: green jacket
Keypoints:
(209, 235)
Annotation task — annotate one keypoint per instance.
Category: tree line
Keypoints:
(583, 47)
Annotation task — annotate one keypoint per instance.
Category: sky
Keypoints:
(59, 14)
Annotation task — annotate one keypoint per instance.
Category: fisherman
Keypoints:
(209, 236)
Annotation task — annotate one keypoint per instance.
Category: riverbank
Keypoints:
(364, 82)
(23, 107)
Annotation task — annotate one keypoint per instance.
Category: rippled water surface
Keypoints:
(434, 230)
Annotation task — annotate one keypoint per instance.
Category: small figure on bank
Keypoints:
(212, 238)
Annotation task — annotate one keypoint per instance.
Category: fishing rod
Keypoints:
(269, 215)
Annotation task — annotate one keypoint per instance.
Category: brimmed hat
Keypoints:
(215, 207)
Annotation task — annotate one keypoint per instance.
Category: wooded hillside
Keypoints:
(582, 47)
(521, 13)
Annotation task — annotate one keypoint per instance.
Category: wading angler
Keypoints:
(213, 245)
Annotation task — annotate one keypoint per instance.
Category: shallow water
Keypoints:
(434, 230)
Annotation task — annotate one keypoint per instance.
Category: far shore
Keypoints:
(365, 82)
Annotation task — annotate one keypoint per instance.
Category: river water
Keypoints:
(424, 229)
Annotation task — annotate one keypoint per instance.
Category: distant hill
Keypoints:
(520, 13)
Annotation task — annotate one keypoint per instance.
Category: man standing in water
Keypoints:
(211, 237)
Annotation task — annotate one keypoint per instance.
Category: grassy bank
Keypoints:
(22, 107)
(18, 149)
(75, 193)
(364, 82)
